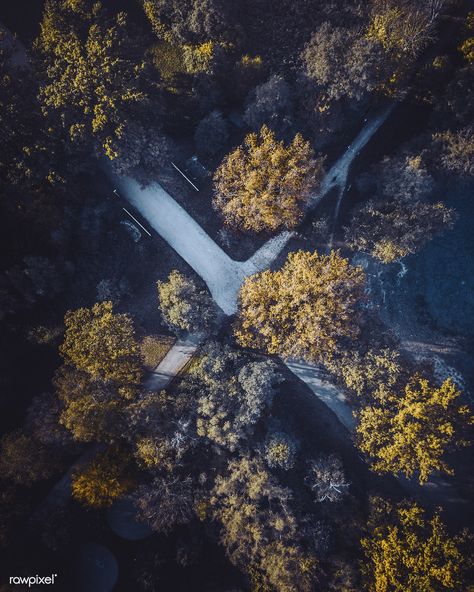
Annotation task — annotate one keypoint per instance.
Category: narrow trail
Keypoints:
(338, 174)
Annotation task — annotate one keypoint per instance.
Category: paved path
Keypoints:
(169, 367)
(172, 364)
(332, 396)
(223, 275)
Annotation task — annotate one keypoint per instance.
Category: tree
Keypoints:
(93, 73)
(412, 431)
(303, 310)
(145, 151)
(102, 344)
(189, 21)
(166, 503)
(259, 530)
(90, 410)
(467, 46)
(369, 374)
(326, 478)
(232, 393)
(403, 28)
(280, 451)
(391, 230)
(184, 306)
(457, 150)
(399, 220)
(403, 178)
(343, 63)
(263, 185)
(406, 551)
(100, 482)
(28, 152)
(24, 460)
(211, 134)
(270, 104)
(43, 419)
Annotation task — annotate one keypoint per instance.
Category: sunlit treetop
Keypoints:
(93, 72)
(406, 551)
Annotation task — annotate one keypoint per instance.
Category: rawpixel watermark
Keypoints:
(32, 580)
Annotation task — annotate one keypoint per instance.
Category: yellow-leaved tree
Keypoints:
(93, 73)
(263, 184)
(100, 482)
(410, 432)
(102, 344)
(407, 552)
(304, 309)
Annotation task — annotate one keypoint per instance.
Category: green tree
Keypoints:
(343, 63)
(189, 21)
(457, 150)
(263, 184)
(412, 431)
(399, 219)
(93, 75)
(211, 134)
(102, 344)
(326, 478)
(405, 551)
(303, 310)
(403, 28)
(184, 306)
(28, 153)
(368, 374)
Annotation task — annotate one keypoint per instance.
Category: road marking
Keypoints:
(133, 218)
(187, 178)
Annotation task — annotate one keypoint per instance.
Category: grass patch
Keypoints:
(154, 348)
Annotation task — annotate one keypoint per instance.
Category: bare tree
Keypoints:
(326, 478)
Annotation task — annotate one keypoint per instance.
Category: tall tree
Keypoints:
(407, 551)
(25, 460)
(391, 230)
(259, 529)
(303, 310)
(189, 21)
(411, 432)
(399, 220)
(232, 394)
(263, 184)
(404, 27)
(28, 153)
(101, 481)
(94, 77)
(102, 344)
(184, 306)
(271, 104)
(344, 63)
(457, 150)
